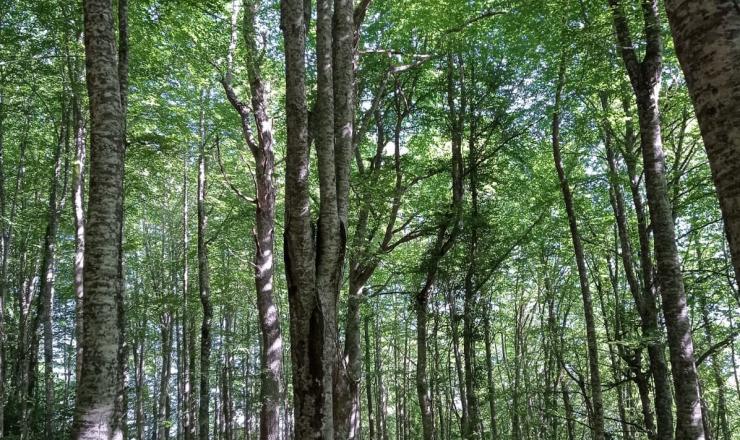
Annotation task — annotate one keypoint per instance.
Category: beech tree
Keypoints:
(94, 415)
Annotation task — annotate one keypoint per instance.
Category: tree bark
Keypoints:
(3, 257)
(369, 381)
(313, 264)
(121, 409)
(489, 377)
(94, 415)
(46, 284)
(591, 341)
(663, 401)
(204, 288)
(163, 422)
(78, 199)
(645, 79)
(264, 232)
(705, 36)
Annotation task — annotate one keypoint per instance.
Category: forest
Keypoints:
(370, 219)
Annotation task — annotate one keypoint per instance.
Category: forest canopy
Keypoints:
(369, 219)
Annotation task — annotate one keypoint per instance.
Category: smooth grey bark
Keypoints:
(94, 415)
(645, 79)
(597, 427)
(457, 356)
(705, 34)
(204, 289)
(24, 286)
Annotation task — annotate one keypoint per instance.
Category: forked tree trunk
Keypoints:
(645, 79)
(314, 262)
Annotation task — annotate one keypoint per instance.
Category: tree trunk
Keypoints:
(651, 331)
(645, 78)
(644, 303)
(264, 231)
(78, 197)
(121, 409)
(94, 415)
(188, 403)
(163, 421)
(705, 36)
(139, 386)
(472, 428)
(382, 401)
(204, 288)
(3, 257)
(46, 285)
(369, 381)
(489, 376)
(591, 342)
(313, 265)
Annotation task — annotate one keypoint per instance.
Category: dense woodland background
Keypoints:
(497, 255)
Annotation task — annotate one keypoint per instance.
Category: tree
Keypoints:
(597, 418)
(645, 78)
(313, 265)
(102, 278)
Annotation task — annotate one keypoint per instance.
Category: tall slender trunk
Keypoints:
(663, 401)
(723, 427)
(705, 36)
(121, 409)
(446, 236)
(591, 341)
(46, 286)
(78, 198)
(645, 79)
(489, 377)
(369, 381)
(382, 398)
(163, 422)
(570, 422)
(204, 288)
(187, 405)
(264, 232)
(472, 428)
(139, 386)
(459, 369)
(644, 301)
(94, 415)
(3, 257)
